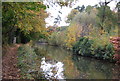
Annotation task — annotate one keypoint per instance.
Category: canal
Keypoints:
(58, 63)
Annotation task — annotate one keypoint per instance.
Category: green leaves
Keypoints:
(34, 6)
(106, 18)
(85, 47)
(26, 60)
(28, 17)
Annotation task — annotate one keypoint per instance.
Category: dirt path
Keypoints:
(9, 64)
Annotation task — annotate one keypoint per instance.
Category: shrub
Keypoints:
(109, 52)
(83, 47)
(104, 52)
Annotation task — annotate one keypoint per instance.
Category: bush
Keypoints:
(105, 52)
(85, 47)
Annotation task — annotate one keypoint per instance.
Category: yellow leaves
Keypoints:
(99, 36)
(73, 32)
(30, 20)
(32, 23)
(102, 32)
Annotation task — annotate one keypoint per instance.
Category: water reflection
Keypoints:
(52, 69)
(96, 69)
(60, 55)
(59, 63)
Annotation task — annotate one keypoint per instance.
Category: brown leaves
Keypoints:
(10, 70)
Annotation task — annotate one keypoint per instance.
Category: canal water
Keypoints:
(58, 63)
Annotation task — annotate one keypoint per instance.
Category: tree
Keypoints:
(85, 20)
(23, 20)
(88, 9)
(55, 4)
(70, 16)
(104, 5)
(106, 19)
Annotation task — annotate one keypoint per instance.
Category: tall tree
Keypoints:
(23, 19)
(107, 18)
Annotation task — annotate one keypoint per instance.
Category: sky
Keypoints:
(54, 10)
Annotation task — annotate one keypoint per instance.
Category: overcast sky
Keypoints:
(53, 10)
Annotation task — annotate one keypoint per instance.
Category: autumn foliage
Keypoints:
(116, 43)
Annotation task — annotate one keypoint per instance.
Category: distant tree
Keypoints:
(59, 3)
(83, 19)
(107, 18)
(88, 9)
(72, 14)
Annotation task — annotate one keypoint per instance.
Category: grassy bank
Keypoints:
(29, 62)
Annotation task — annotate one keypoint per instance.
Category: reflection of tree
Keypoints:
(80, 67)
(40, 51)
(54, 52)
(71, 71)
(116, 72)
(96, 69)
(104, 69)
(81, 63)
